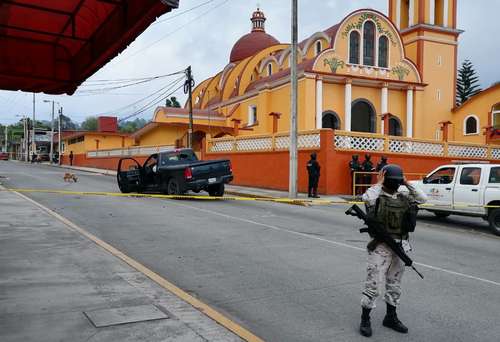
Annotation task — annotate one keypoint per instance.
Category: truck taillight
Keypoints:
(188, 173)
(230, 167)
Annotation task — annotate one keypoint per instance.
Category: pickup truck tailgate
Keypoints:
(211, 169)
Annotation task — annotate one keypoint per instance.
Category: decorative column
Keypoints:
(347, 104)
(445, 129)
(398, 14)
(445, 13)
(276, 117)
(384, 106)
(409, 112)
(411, 14)
(319, 103)
(236, 126)
(432, 12)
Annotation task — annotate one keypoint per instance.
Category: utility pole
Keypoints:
(292, 189)
(25, 138)
(51, 153)
(59, 136)
(33, 142)
(188, 88)
(6, 137)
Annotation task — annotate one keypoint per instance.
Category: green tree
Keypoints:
(66, 124)
(467, 82)
(132, 126)
(172, 102)
(89, 124)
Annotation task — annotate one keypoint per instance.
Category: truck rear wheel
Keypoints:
(173, 187)
(494, 221)
(216, 190)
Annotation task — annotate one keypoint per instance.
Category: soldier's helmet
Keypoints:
(394, 176)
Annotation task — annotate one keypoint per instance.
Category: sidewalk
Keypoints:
(235, 190)
(57, 285)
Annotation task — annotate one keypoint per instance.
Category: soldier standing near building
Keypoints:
(355, 166)
(313, 170)
(390, 208)
(367, 167)
(381, 164)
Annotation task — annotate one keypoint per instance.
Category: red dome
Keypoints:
(250, 44)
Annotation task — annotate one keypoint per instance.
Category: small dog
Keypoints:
(68, 177)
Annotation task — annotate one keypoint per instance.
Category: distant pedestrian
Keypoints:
(355, 167)
(33, 158)
(381, 164)
(71, 158)
(313, 170)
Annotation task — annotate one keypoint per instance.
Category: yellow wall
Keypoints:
(106, 142)
(480, 106)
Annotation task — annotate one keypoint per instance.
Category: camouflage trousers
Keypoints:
(384, 268)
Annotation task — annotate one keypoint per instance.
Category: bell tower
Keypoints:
(430, 37)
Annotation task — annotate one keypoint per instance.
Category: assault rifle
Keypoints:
(380, 234)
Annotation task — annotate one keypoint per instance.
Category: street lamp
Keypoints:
(51, 154)
(25, 137)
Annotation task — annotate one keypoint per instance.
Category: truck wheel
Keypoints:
(216, 190)
(441, 214)
(494, 220)
(173, 187)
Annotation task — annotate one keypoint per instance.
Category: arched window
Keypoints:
(383, 52)
(369, 43)
(363, 116)
(330, 120)
(471, 125)
(354, 47)
(395, 128)
(269, 69)
(495, 113)
(319, 47)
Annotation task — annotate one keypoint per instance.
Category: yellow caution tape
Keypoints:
(230, 198)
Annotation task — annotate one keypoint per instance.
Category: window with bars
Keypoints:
(354, 47)
(369, 43)
(383, 52)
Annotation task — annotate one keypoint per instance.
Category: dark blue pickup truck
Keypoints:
(174, 173)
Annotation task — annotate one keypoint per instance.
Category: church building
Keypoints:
(370, 73)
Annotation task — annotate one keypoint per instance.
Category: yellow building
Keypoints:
(369, 73)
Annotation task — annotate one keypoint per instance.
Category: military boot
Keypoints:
(365, 327)
(391, 320)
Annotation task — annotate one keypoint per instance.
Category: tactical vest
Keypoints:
(392, 214)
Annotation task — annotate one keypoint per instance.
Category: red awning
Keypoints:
(52, 46)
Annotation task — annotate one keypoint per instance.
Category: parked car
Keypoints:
(4, 156)
(464, 189)
(174, 173)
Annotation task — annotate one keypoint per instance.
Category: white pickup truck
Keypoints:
(464, 189)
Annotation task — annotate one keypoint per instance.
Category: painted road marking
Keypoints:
(196, 303)
(332, 242)
(227, 198)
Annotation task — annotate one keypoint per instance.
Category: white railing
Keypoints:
(262, 143)
(355, 141)
(376, 142)
(129, 151)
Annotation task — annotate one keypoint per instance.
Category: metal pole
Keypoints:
(292, 192)
(6, 137)
(25, 136)
(59, 136)
(33, 142)
(190, 84)
(51, 154)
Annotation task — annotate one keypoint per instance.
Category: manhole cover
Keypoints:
(132, 314)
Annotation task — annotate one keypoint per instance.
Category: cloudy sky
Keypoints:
(203, 38)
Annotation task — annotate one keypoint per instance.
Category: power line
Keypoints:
(172, 32)
(181, 13)
(125, 80)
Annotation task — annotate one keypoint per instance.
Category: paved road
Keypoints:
(288, 273)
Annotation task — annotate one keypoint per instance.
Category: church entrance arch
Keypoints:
(330, 120)
(363, 116)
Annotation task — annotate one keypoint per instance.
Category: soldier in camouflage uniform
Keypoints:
(388, 206)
